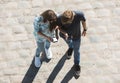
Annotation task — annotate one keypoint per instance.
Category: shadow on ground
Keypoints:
(69, 76)
(32, 71)
(57, 69)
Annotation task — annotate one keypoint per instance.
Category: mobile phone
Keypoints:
(55, 40)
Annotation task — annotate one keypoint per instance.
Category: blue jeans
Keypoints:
(41, 46)
(75, 44)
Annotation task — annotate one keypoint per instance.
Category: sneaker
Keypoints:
(77, 70)
(37, 62)
(69, 53)
(48, 53)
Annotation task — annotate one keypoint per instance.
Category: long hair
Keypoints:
(50, 16)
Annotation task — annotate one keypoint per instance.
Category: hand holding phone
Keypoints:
(55, 40)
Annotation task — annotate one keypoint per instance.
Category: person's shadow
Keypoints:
(57, 69)
(69, 75)
(32, 71)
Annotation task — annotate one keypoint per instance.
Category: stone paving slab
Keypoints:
(100, 49)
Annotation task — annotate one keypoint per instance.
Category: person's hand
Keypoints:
(49, 39)
(66, 36)
(84, 33)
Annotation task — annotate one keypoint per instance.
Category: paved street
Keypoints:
(100, 49)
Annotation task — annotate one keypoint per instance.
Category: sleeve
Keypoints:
(81, 15)
(59, 21)
(37, 24)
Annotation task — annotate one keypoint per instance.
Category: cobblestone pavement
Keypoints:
(100, 49)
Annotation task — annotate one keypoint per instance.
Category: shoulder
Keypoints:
(79, 13)
(59, 16)
(38, 18)
(59, 19)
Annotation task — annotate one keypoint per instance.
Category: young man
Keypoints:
(70, 30)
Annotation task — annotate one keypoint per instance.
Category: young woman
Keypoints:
(44, 32)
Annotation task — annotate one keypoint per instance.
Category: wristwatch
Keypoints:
(85, 29)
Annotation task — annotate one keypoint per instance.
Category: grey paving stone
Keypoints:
(14, 45)
(5, 79)
(3, 46)
(12, 71)
(18, 29)
(24, 4)
(20, 37)
(103, 12)
(97, 5)
(37, 3)
(27, 44)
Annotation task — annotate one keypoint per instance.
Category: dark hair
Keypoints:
(49, 15)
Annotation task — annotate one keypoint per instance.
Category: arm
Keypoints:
(37, 28)
(84, 28)
(59, 27)
(83, 21)
(63, 32)
(56, 32)
(46, 37)
(84, 25)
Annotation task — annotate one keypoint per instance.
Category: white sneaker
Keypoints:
(48, 53)
(37, 62)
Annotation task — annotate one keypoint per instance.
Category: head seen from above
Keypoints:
(51, 17)
(67, 17)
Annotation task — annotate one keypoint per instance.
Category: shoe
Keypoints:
(77, 70)
(69, 53)
(37, 62)
(48, 53)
